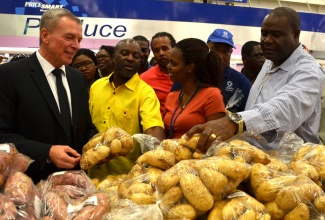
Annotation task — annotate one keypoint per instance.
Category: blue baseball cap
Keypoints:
(221, 36)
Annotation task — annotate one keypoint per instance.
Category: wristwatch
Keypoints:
(238, 120)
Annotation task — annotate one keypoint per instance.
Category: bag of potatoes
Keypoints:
(139, 185)
(309, 161)
(238, 205)
(190, 188)
(109, 144)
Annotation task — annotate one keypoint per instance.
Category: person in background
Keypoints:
(49, 128)
(157, 77)
(221, 41)
(18, 57)
(199, 72)
(122, 99)
(145, 51)
(85, 61)
(153, 61)
(104, 58)
(286, 95)
(253, 59)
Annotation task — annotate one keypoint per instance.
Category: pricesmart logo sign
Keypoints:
(42, 6)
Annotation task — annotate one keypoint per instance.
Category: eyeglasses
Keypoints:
(102, 56)
(87, 64)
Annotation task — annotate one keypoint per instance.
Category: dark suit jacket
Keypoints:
(29, 115)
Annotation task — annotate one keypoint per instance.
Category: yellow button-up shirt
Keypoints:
(134, 107)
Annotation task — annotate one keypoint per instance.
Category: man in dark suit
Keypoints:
(31, 112)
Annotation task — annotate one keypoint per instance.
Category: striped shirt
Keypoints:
(287, 98)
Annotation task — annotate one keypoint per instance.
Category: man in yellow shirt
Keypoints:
(122, 99)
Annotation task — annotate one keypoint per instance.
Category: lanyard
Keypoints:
(172, 120)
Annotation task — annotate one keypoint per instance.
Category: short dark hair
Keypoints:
(248, 47)
(109, 49)
(164, 34)
(140, 38)
(289, 13)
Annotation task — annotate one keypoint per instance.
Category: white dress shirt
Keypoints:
(48, 68)
(287, 98)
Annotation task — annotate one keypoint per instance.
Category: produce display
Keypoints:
(172, 180)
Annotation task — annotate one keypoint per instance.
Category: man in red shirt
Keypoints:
(157, 77)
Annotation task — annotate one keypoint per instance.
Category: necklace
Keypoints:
(174, 116)
(182, 96)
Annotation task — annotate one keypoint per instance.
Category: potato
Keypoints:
(191, 143)
(140, 188)
(71, 177)
(105, 183)
(182, 153)
(319, 203)
(143, 198)
(230, 168)
(301, 153)
(182, 211)
(213, 180)
(93, 156)
(278, 165)
(274, 211)
(169, 145)
(267, 191)
(232, 210)
(8, 209)
(127, 145)
(93, 142)
(289, 197)
(152, 175)
(95, 181)
(250, 153)
(108, 136)
(19, 188)
(55, 206)
(196, 192)
(300, 212)
(166, 181)
(158, 158)
(305, 169)
(259, 174)
(115, 147)
(216, 212)
(171, 197)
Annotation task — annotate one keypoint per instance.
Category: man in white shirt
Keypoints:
(286, 94)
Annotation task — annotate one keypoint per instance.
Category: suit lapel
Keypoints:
(41, 82)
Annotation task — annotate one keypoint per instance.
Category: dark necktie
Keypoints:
(64, 104)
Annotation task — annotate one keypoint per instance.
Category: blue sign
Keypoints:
(158, 10)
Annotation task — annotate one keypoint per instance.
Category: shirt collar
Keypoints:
(288, 64)
(130, 84)
(46, 66)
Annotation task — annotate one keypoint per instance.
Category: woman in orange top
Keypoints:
(199, 71)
